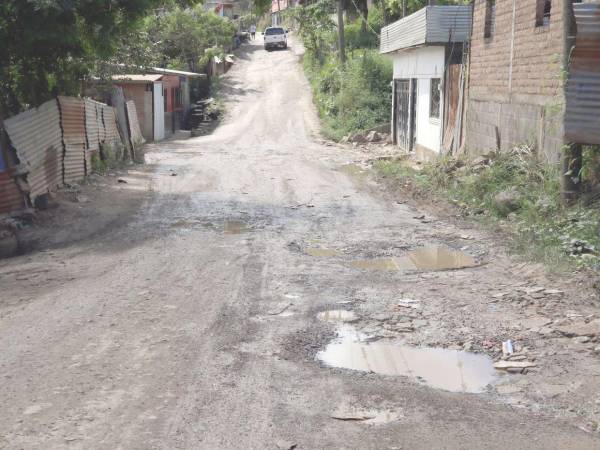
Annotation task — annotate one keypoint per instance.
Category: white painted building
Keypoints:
(427, 48)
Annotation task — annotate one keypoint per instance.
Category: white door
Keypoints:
(159, 112)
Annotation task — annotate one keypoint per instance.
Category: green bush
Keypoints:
(541, 225)
(354, 98)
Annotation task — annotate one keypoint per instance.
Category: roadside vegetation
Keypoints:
(50, 47)
(517, 194)
(351, 97)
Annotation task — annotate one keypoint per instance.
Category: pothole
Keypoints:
(449, 370)
(427, 258)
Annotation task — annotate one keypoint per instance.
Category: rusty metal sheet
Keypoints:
(11, 197)
(37, 138)
(92, 124)
(582, 116)
(134, 124)
(74, 163)
(72, 119)
(110, 124)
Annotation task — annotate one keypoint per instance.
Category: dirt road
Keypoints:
(194, 324)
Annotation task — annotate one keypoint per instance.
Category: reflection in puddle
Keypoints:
(322, 252)
(234, 227)
(428, 258)
(450, 370)
(337, 315)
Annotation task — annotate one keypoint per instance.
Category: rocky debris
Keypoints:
(507, 365)
(507, 201)
(590, 329)
(374, 136)
(285, 445)
(578, 247)
(9, 245)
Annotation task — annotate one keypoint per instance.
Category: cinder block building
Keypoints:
(520, 90)
(516, 84)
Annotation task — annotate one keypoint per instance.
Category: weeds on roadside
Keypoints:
(539, 223)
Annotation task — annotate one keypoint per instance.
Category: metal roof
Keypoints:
(134, 78)
(582, 116)
(428, 26)
(178, 72)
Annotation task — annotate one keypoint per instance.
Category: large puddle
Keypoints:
(427, 258)
(450, 370)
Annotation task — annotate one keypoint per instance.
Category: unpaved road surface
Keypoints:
(194, 323)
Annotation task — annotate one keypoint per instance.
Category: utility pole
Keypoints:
(341, 40)
(572, 155)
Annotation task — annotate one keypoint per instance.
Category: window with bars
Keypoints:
(434, 98)
(490, 18)
(543, 13)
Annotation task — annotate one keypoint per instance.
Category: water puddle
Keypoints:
(428, 258)
(320, 252)
(234, 227)
(449, 370)
(337, 315)
(376, 264)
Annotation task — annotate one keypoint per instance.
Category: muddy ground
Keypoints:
(180, 309)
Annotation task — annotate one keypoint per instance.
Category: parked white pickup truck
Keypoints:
(275, 37)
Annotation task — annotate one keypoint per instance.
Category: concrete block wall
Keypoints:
(522, 99)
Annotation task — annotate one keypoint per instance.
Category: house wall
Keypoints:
(423, 63)
(173, 113)
(515, 88)
(141, 94)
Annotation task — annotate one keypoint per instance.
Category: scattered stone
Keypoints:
(507, 201)
(285, 445)
(382, 317)
(506, 389)
(508, 365)
(590, 329)
(121, 180)
(374, 136)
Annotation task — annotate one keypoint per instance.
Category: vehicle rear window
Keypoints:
(270, 31)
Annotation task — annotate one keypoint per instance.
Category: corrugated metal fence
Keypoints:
(54, 144)
(582, 122)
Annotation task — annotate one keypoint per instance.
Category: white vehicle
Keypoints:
(275, 37)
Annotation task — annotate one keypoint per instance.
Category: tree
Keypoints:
(181, 36)
(48, 46)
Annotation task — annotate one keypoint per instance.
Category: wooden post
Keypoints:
(341, 40)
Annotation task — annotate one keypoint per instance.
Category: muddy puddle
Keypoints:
(234, 227)
(449, 370)
(320, 252)
(427, 258)
(337, 316)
